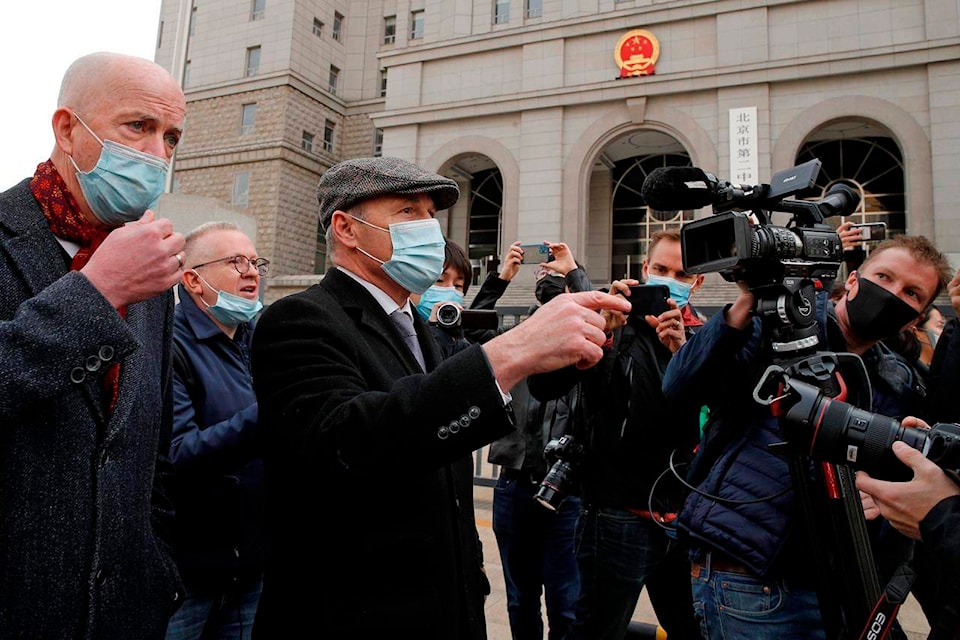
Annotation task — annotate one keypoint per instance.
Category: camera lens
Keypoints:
(555, 485)
(845, 434)
(448, 315)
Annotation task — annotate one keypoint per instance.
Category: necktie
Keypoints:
(404, 324)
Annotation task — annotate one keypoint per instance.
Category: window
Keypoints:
(383, 83)
(160, 35)
(256, 9)
(378, 142)
(186, 74)
(337, 26)
(193, 22)
(328, 128)
(241, 189)
(253, 61)
(389, 29)
(334, 78)
(306, 142)
(534, 8)
(416, 25)
(248, 118)
(317, 28)
(501, 11)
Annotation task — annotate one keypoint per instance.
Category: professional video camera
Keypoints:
(783, 266)
(755, 253)
(450, 316)
(565, 456)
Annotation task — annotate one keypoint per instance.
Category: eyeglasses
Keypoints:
(241, 264)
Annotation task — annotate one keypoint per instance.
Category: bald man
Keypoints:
(85, 333)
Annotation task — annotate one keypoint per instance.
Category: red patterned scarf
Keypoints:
(68, 223)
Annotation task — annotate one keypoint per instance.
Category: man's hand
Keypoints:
(849, 237)
(511, 262)
(669, 326)
(740, 314)
(906, 504)
(136, 261)
(565, 331)
(563, 261)
(613, 319)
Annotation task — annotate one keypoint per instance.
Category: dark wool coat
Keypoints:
(371, 528)
(80, 503)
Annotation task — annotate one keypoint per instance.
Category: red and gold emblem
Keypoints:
(636, 53)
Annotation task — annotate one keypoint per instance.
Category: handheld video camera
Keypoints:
(565, 455)
(450, 316)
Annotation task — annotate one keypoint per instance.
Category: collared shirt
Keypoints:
(389, 306)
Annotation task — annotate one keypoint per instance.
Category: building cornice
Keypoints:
(893, 57)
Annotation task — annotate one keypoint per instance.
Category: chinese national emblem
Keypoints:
(636, 53)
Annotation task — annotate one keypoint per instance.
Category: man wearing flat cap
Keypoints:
(368, 433)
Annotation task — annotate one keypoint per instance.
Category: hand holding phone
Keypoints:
(648, 300)
(536, 253)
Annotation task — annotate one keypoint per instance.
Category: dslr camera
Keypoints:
(565, 455)
(839, 432)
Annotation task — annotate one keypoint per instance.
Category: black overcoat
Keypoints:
(368, 477)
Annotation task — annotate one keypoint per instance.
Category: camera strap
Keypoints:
(884, 614)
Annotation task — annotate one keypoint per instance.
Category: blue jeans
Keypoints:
(618, 552)
(732, 606)
(536, 550)
(224, 615)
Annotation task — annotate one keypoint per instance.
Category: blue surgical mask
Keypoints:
(679, 291)
(124, 183)
(418, 253)
(436, 294)
(229, 309)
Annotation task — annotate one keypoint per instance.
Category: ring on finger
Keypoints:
(179, 260)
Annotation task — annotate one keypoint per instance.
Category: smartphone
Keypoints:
(648, 300)
(871, 231)
(536, 253)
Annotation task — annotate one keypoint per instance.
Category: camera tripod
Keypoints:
(848, 588)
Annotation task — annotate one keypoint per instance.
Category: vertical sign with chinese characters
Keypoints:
(743, 146)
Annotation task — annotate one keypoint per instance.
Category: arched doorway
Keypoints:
(868, 159)
(624, 164)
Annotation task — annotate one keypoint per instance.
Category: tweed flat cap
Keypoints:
(351, 181)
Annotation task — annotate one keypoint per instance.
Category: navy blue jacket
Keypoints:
(719, 367)
(218, 488)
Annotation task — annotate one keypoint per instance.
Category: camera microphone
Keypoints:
(675, 188)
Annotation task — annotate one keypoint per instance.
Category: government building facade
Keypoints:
(551, 113)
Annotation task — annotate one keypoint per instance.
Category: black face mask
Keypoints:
(876, 313)
(549, 287)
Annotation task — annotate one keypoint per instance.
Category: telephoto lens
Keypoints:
(840, 433)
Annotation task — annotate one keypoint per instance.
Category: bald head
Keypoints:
(97, 76)
(130, 101)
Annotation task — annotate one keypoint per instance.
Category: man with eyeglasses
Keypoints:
(218, 488)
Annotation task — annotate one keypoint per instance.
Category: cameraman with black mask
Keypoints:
(630, 434)
(753, 570)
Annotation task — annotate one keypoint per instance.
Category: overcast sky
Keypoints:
(38, 41)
